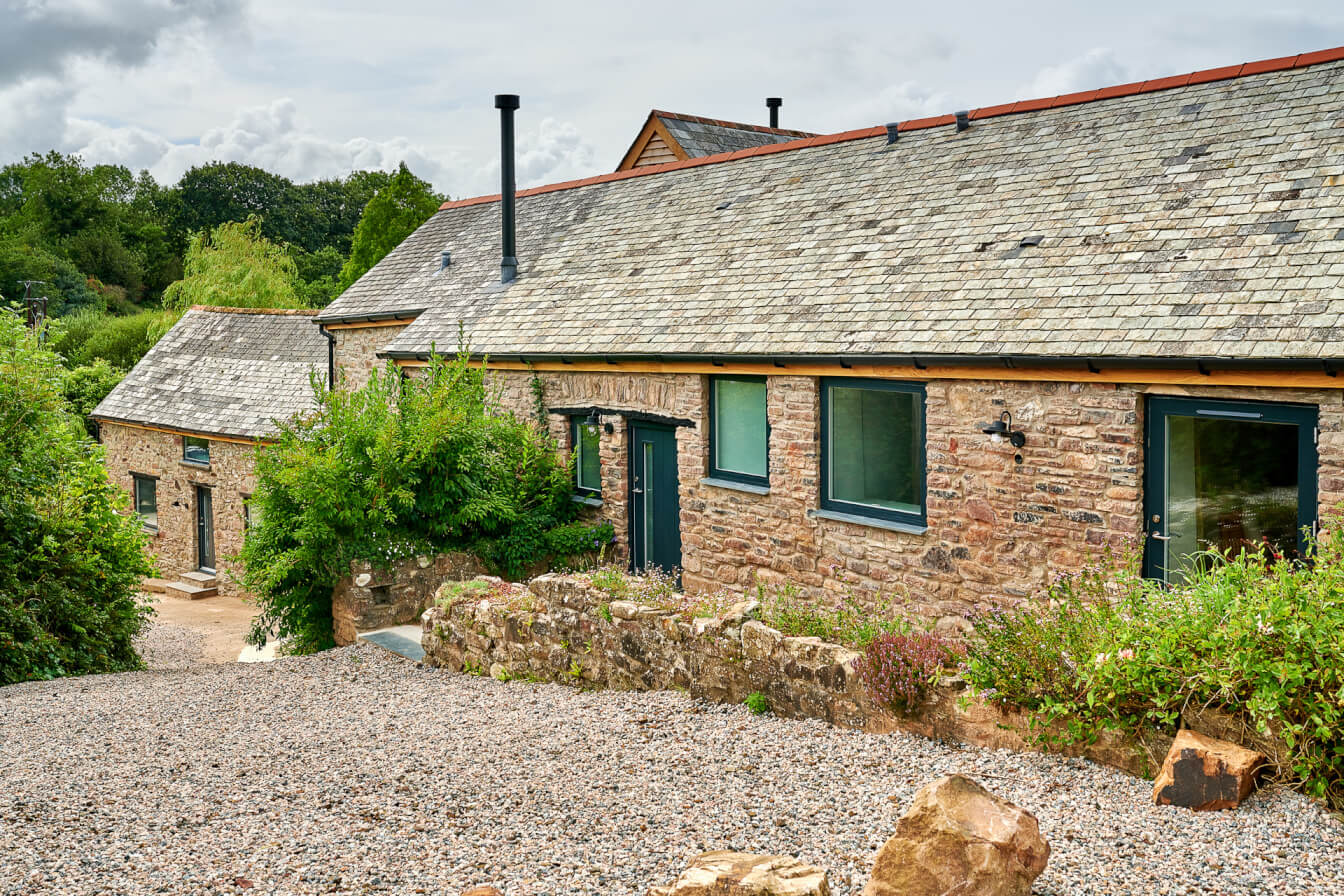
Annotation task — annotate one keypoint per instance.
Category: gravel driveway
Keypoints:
(359, 772)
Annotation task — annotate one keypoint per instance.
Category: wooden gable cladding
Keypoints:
(655, 152)
(653, 146)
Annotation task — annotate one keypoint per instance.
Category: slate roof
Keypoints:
(1198, 217)
(225, 372)
(707, 136)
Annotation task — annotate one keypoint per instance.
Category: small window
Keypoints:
(146, 495)
(584, 436)
(738, 432)
(251, 513)
(872, 449)
(195, 450)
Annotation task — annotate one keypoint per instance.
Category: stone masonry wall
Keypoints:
(373, 597)
(230, 476)
(997, 529)
(561, 628)
(356, 352)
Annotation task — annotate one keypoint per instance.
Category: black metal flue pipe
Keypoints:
(773, 103)
(507, 103)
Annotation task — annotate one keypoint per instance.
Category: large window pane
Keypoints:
(587, 465)
(875, 448)
(195, 450)
(739, 427)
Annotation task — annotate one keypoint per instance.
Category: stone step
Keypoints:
(154, 585)
(189, 590)
(200, 579)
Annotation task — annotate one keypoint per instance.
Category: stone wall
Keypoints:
(230, 476)
(373, 597)
(561, 628)
(356, 352)
(997, 528)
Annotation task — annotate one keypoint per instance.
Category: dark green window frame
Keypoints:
(920, 461)
(146, 506)
(715, 436)
(577, 429)
(196, 450)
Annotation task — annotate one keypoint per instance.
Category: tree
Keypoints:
(235, 266)
(71, 554)
(391, 216)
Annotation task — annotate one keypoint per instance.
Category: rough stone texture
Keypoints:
(957, 839)
(555, 629)
(482, 891)
(727, 873)
(374, 597)
(356, 352)
(997, 530)
(1203, 773)
(230, 476)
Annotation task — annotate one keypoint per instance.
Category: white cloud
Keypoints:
(1098, 67)
(552, 151)
(897, 102)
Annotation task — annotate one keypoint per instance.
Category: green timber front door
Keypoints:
(205, 529)
(1226, 475)
(655, 510)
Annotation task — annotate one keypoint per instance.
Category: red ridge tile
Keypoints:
(805, 140)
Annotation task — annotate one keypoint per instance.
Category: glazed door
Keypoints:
(1223, 476)
(655, 512)
(205, 529)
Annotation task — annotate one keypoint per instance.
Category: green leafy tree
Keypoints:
(71, 554)
(90, 336)
(235, 266)
(388, 471)
(391, 216)
(83, 387)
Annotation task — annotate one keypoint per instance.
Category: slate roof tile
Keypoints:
(837, 246)
(226, 372)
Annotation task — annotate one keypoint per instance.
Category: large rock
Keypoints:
(725, 873)
(958, 839)
(1204, 773)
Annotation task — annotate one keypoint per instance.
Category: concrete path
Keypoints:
(403, 640)
(222, 620)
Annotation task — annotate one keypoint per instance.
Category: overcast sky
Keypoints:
(316, 89)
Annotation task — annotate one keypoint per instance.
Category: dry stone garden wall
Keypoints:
(562, 628)
(376, 596)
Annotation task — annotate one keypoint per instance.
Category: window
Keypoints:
(195, 450)
(738, 432)
(872, 449)
(251, 514)
(145, 493)
(584, 437)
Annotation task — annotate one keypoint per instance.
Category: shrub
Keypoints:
(899, 669)
(425, 465)
(757, 703)
(85, 386)
(580, 543)
(1261, 640)
(71, 554)
(121, 341)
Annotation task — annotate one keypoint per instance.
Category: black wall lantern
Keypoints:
(1002, 428)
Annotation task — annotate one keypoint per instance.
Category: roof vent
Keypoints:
(507, 103)
(1031, 241)
(445, 259)
(893, 132)
(963, 120)
(773, 103)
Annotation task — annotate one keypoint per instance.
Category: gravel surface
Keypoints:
(167, 646)
(358, 772)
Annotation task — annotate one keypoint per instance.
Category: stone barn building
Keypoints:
(943, 359)
(181, 431)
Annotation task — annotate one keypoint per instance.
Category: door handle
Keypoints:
(1160, 537)
(636, 491)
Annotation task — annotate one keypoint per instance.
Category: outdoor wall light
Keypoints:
(1002, 428)
(592, 420)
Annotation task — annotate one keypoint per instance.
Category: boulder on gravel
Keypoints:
(1204, 773)
(482, 891)
(725, 873)
(959, 838)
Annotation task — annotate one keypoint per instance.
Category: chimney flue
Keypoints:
(773, 103)
(506, 103)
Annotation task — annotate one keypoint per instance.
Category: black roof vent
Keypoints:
(773, 103)
(1030, 241)
(445, 259)
(893, 132)
(963, 120)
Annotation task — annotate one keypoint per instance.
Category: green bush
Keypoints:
(71, 555)
(395, 469)
(85, 386)
(757, 702)
(120, 341)
(1260, 640)
(850, 621)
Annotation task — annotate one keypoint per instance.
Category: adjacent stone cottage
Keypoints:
(944, 359)
(181, 430)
